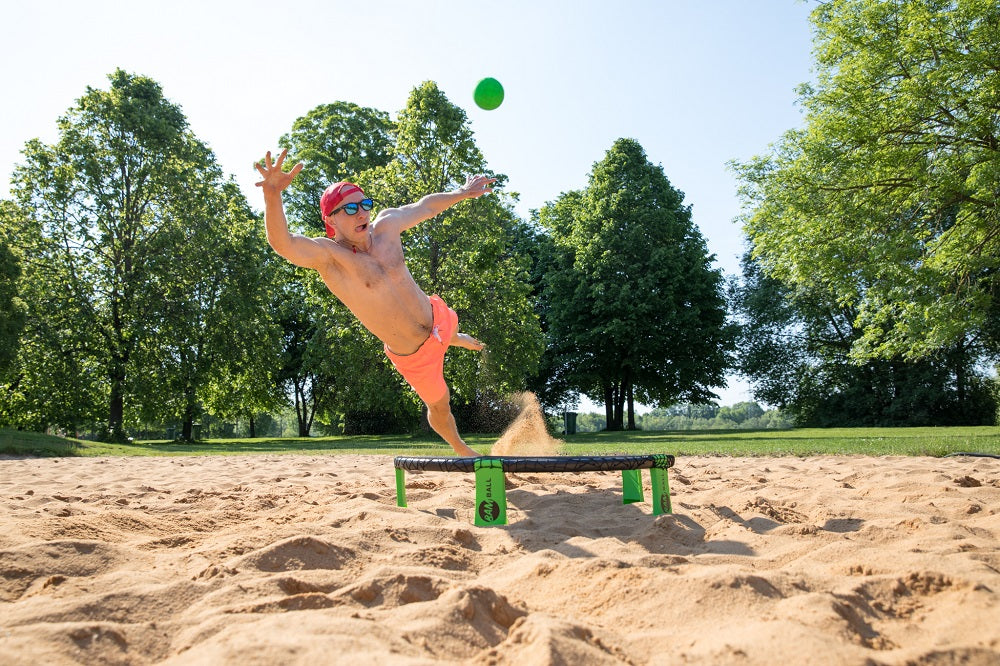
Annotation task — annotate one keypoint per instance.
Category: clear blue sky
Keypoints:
(696, 83)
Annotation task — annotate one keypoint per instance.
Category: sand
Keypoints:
(527, 434)
(307, 560)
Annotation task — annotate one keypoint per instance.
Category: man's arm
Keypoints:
(298, 249)
(431, 205)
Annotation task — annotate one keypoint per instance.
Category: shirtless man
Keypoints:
(361, 262)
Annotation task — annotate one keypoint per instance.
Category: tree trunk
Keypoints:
(187, 430)
(308, 411)
(116, 409)
(619, 407)
(253, 427)
(609, 407)
(301, 408)
(116, 404)
(631, 406)
(614, 404)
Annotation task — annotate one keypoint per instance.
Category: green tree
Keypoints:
(215, 344)
(741, 412)
(299, 325)
(11, 307)
(552, 278)
(589, 422)
(885, 202)
(54, 380)
(106, 211)
(773, 342)
(795, 349)
(637, 308)
(243, 384)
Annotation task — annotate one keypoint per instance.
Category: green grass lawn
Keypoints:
(800, 442)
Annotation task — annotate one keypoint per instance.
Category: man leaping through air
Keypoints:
(361, 261)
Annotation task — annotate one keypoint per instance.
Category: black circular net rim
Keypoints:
(535, 463)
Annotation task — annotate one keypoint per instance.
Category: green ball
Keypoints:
(488, 94)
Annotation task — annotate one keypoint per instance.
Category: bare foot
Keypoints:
(466, 341)
(465, 451)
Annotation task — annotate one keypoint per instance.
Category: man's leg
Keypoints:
(466, 341)
(441, 419)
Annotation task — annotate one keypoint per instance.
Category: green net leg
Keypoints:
(661, 491)
(631, 486)
(400, 487)
(491, 495)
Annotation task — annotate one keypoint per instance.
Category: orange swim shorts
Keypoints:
(424, 368)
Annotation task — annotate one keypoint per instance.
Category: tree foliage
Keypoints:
(741, 416)
(795, 349)
(216, 343)
(634, 308)
(11, 307)
(553, 382)
(124, 225)
(886, 201)
(699, 416)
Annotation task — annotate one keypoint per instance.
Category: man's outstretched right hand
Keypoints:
(275, 179)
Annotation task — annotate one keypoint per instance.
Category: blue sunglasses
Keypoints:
(352, 208)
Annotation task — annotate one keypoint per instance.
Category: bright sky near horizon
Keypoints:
(697, 84)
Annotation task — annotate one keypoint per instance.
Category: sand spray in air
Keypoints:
(528, 434)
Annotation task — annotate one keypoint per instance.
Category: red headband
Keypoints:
(333, 196)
